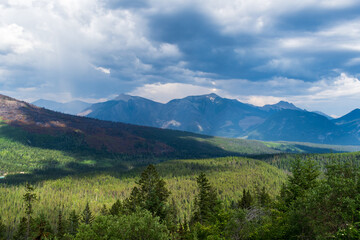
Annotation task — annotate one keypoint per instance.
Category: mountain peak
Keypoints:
(280, 105)
(212, 95)
(123, 97)
(284, 104)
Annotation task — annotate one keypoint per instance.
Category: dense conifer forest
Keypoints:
(307, 204)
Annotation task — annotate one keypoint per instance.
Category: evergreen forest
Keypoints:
(54, 187)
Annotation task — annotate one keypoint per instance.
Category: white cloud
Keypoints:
(260, 100)
(103, 70)
(169, 50)
(27, 89)
(164, 92)
(14, 39)
(139, 65)
(341, 86)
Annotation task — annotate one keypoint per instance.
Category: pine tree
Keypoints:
(246, 200)
(151, 193)
(73, 222)
(264, 197)
(206, 204)
(104, 211)
(29, 197)
(42, 228)
(116, 208)
(133, 201)
(304, 177)
(60, 227)
(87, 216)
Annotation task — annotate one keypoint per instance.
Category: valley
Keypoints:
(72, 161)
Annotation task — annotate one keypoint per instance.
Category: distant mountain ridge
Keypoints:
(350, 122)
(280, 106)
(206, 114)
(73, 107)
(301, 126)
(213, 115)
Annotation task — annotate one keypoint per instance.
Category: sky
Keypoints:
(257, 51)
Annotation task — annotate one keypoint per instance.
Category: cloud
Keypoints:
(327, 95)
(103, 70)
(15, 40)
(261, 100)
(254, 50)
(168, 91)
(170, 50)
(341, 86)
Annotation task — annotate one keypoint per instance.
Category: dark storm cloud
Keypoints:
(203, 44)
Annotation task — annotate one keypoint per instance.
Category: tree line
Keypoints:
(312, 205)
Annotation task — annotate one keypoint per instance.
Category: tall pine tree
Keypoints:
(60, 227)
(116, 208)
(151, 193)
(304, 177)
(73, 223)
(87, 216)
(29, 197)
(206, 204)
(246, 200)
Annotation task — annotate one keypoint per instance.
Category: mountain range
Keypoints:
(46, 129)
(213, 115)
(73, 107)
(205, 114)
